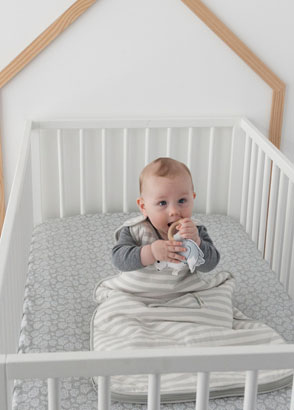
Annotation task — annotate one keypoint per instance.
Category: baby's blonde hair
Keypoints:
(164, 167)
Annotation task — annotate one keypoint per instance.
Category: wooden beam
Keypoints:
(44, 39)
(276, 121)
(262, 70)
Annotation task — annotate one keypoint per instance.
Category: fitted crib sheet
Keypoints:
(69, 256)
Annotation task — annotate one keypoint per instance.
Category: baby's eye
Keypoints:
(182, 200)
(162, 203)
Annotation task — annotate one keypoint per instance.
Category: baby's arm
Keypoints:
(127, 255)
(211, 254)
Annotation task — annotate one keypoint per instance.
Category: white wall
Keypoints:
(22, 21)
(150, 57)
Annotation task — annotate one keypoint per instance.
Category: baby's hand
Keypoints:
(167, 251)
(188, 230)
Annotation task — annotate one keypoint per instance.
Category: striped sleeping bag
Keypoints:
(138, 310)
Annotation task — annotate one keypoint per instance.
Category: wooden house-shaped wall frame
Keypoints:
(203, 13)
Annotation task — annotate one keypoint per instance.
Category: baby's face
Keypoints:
(165, 200)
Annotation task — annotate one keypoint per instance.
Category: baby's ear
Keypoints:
(194, 195)
(141, 205)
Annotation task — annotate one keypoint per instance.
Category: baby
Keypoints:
(166, 195)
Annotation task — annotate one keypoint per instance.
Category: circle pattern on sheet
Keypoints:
(69, 256)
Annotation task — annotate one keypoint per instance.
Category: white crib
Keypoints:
(78, 167)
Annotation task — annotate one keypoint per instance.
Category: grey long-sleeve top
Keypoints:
(126, 252)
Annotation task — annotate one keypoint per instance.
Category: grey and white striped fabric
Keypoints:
(140, 310)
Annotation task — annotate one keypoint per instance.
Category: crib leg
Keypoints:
(250, 390)
(104, 393)
(292, 396)
(3, 384)
(202, 396)
(53, 394)
(154, 392)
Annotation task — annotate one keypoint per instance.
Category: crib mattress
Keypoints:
(69, 256)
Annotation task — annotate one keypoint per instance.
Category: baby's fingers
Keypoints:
(174, 243)
(185, 221)
(175, 257)
(176, 249)
(186, 231)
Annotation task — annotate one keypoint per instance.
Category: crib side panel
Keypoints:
(14, 250)
(14, 253)
(268, 204)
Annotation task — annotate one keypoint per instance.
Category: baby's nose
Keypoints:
(174, 210)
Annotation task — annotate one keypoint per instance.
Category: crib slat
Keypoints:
(154, 392)
(251, 188)
(53, 394)
(209, 171)
(36, 177)
(250, 390)
(60, 173)
(189, 149)
(230, 187)
(288, 239)
(5, 312)
(257, 197)
(168, 142)
(103, 169)
(271, 214)
(264, 204)
(245, 181)
(13, 280)
(202, 395)
(125, 171)
(3, 383)
(147, 146)
(82, 172)
(104, 399)
(291, 273)
(279, 226)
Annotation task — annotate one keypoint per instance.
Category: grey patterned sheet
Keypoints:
(69, 256)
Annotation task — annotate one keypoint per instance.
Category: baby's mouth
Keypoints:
(170, 223)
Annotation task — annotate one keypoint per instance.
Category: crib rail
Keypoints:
(203, 361)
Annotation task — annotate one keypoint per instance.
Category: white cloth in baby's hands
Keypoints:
(194, 256)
